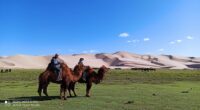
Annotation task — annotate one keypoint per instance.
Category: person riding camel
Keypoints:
(81, 62)
(84, 73)
(55, 61)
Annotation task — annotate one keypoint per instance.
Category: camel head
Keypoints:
(101, 73)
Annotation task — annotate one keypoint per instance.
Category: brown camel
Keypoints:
(68, 76)
(91, 77)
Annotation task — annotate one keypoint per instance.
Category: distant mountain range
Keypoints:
(114, 60)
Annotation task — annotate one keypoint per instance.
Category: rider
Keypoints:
(84, 73)
(81, 62)
(55, 61)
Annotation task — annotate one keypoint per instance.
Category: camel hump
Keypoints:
(79, 67)
(63, 65)
(103, 67)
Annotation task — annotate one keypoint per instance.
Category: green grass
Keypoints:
(120, 90)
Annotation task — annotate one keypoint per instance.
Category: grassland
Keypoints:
(120, 90)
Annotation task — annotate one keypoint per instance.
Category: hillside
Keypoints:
(112, 60)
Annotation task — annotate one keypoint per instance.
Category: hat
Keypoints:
(56, 55)
(81, 59)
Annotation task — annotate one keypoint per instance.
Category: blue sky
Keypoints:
(43, 27)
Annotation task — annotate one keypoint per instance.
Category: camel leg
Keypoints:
(66, 86)
(40, 85)
(65, 97)
(45, 89)
(40, 89)
(88, 87)
(61, 91)
(65, 92)
(69, 92)
(73, 89)
(69, 89)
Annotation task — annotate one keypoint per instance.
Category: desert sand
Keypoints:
(112, 60)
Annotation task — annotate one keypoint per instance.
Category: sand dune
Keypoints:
(115, 60)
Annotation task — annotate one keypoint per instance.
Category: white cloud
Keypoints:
(179, 41)
(133, 41)
(124, 35)
(176, 41)
(190, 37)
(129, 41)
(161, 50)
(90, 51)
(172, 42)
(146, 39)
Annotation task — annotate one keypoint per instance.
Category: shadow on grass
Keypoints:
(34, 98)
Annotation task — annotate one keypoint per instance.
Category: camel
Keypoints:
(68, 76)
(91, 77)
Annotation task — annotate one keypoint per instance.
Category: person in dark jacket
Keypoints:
(81, 61)
(84, 76)
(56, 66)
